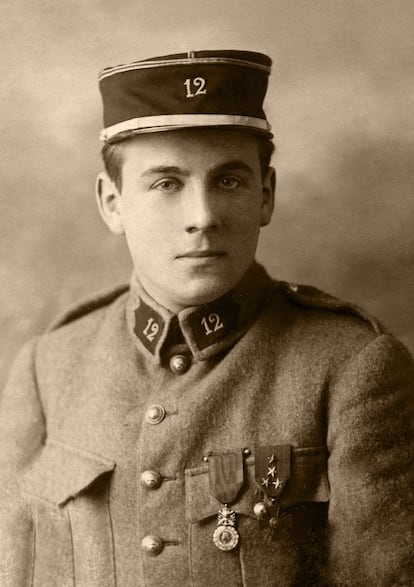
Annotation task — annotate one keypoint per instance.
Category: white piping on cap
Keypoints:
(109, 71)
(171, 121)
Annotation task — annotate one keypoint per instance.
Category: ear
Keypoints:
(108, 200)
(268, 201)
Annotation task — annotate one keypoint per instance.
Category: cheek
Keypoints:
(245, 220)
(247, 207)
(137, 231)
(137, 217)
(148, 234)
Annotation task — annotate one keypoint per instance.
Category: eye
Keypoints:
(167, 184)
(229, 182)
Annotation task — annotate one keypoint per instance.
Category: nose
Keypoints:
(201, 210)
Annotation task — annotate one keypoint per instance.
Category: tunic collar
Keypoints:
(206, 329)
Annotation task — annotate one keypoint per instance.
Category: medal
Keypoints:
(225, 536)
(226, 476)
(272, 472)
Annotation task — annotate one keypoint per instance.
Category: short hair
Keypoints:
(112, 157)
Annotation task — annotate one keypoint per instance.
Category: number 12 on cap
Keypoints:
(195, 87)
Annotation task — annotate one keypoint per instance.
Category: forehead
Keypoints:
(208, 147)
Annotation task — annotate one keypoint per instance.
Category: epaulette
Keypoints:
(88, 305)
(306, 295)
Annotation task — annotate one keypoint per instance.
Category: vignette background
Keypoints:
(341, 103)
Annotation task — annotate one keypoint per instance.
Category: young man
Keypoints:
(206, 425)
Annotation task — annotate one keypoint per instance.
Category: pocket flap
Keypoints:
(308, 483)
(63, 472)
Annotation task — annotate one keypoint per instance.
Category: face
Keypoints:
(191, 207)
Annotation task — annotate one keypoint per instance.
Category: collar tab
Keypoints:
(149, 326)
(212, 322)
(207, 329)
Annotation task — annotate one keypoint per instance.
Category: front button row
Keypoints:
(155, 414)
(152, 545)
(151, 479)
(180, 364)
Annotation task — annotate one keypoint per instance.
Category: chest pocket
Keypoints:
(68, 493)
(294, 557)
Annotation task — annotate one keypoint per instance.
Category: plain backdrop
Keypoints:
(341, 104)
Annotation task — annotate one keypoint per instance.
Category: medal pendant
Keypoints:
(225, 536)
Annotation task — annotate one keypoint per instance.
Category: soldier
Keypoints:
(205, 425)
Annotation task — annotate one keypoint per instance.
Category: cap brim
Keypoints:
(150, 124)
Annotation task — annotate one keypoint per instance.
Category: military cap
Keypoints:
(194, 89)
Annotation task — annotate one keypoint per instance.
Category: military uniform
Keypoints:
(264, 438)
(105, 431)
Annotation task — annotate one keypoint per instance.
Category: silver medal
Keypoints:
(225, 536)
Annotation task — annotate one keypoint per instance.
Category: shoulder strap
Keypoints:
(88, 305)
(306, 295)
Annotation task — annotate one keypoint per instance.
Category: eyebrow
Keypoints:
(166, 169)
(236, 164)
(223, 168)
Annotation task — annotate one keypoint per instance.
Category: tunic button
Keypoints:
(260, 510)
(155, 414)
(151, 479)
(152, 545)
(179, 364)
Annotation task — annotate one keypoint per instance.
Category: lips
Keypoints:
(202, 254)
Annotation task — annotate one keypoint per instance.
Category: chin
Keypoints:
(205, 291)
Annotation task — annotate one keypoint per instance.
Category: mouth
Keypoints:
(201, 254)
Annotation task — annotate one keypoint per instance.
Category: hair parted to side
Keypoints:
(112, 157)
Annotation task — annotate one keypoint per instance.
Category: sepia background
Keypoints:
(341, 104)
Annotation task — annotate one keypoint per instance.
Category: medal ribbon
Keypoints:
(272, 468)
(226, 476)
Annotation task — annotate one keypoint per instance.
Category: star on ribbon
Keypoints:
(271, 459)
(265, 482)
(277, 483)
(271, 471)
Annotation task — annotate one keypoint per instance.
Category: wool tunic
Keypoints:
(102, 399)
